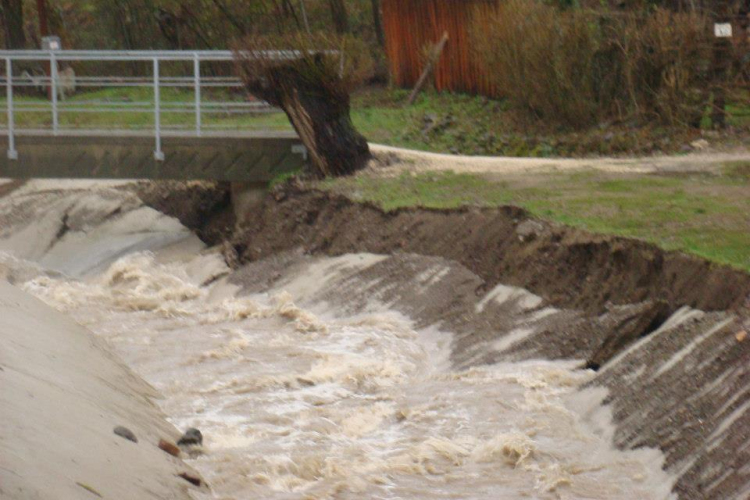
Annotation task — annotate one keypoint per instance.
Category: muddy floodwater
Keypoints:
(301, 396)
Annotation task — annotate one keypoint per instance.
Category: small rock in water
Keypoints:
(741, 335)
(192, 437)
(190, 479)
(126, 433)
(169, 448)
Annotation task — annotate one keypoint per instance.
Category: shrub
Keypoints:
(577, 68)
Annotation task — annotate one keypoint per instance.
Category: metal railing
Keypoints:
(55, 85)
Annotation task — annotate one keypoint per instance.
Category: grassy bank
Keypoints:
(703, 214)
(446, 123)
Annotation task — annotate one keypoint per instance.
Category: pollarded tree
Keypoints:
(310, 77)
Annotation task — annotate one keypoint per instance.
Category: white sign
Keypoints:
(723, 30)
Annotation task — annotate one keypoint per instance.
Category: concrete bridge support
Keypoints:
(246, 158)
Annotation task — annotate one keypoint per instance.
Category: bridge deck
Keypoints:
(221, 156)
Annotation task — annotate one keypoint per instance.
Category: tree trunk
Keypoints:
(334, 145)
(339, 16)
(12, 14)
(377, 24)
(41, 7)
(319, 112)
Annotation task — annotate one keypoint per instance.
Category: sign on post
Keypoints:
(723, 30)
(51, 43)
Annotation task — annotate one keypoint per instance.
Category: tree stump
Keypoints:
(310, 91)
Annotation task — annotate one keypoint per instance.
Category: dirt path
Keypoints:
(398, 160)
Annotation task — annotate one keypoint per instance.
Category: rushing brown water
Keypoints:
(298, 398)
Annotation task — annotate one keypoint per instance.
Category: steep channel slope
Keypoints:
(62, 392)
(667, 329)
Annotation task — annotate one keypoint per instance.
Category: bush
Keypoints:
(578, 68)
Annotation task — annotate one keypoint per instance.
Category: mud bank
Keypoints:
(664, 328)
(63, 392)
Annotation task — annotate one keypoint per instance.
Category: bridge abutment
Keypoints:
(242, 158)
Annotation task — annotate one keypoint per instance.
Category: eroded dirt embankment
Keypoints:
(665, 328)
(569, 267)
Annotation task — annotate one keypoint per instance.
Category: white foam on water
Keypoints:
(295, 406)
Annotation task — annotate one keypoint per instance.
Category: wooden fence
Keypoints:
(410, 25)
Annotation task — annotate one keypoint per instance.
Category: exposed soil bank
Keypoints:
(63, 393)
(569, 267)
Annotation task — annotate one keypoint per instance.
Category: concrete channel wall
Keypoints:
(256, 157)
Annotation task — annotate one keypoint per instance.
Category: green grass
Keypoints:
(737, 170)
(440, 122)
(142, 98)
(433, 190)
(708, 217)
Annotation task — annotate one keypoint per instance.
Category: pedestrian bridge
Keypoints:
(138, 115)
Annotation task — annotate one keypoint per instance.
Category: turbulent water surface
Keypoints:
(302, 398)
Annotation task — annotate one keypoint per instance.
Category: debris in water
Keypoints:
(125, 433)
(190, 479)
(305, 382)
(169, 448)
(192, 437)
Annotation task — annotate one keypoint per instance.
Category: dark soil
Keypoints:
(204, 207)
(570, 268)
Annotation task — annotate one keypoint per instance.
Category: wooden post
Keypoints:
(434, 57)
(377, 24)
(41, 9)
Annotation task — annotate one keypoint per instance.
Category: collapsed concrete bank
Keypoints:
(664, 330)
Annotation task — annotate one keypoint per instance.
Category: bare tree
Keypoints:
(339, 16)
(377, 24)
(41, 8)
(12, 16)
